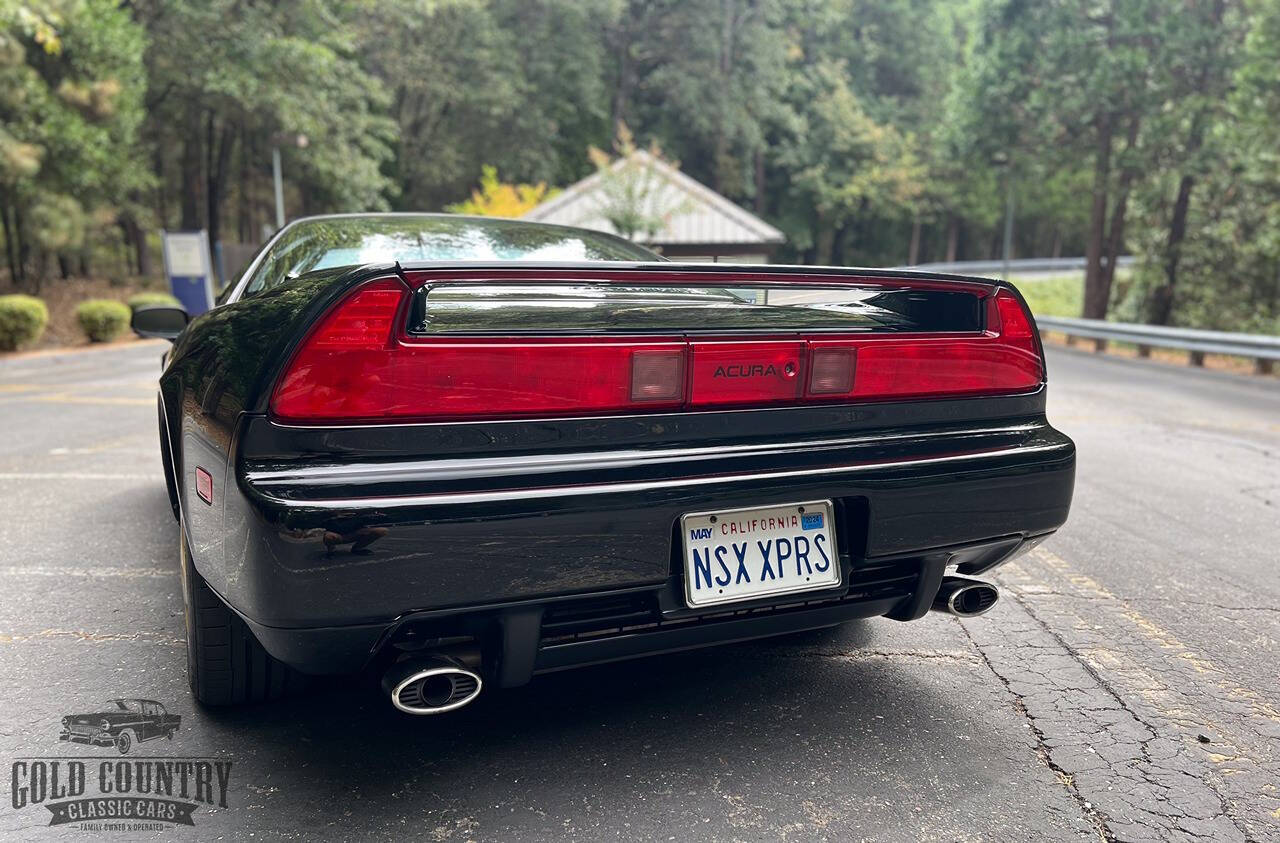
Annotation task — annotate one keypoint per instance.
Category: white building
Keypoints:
(699, 224)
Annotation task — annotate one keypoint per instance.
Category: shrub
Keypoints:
(22, 320)
(102, 319)
(138, 300)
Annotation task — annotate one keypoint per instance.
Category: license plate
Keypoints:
(744, 554)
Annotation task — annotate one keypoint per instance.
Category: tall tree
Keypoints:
(843, 163)
(71, 83)
(1209, 39)
(890, 64)
(456, 86)
(1068, 82)
(719, 76)
(229, 79)
(1210, 238)
(562, 72)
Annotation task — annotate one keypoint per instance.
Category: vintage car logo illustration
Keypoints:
(121, 723)
(135, 794)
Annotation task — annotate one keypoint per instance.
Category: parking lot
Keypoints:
(1125, 688)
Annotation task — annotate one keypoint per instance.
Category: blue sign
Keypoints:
(189, 269)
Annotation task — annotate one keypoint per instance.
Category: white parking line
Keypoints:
(123, 573)
(75, 475)
(150, 638)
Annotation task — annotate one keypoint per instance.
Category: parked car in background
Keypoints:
(459, 451)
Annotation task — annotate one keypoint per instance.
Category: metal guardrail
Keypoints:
(1263, 349)
(1019, 266)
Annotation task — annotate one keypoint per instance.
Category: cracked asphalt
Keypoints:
(1126, 687)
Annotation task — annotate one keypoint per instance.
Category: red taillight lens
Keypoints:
(746, 372)
(357, 366)
(340, 370)
(364, 321)
(1005, 359)
(354, 367)
(928, 367)
(1014, 326)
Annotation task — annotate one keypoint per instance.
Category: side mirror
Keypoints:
(161, 321)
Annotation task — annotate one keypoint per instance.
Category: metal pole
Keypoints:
(1008, 221)
(275, 171)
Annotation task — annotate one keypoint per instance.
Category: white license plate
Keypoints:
(743, 554)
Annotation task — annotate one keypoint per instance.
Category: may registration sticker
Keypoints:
(744, 554)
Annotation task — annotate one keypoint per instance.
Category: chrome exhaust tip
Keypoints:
(965, 598)
(432, 685)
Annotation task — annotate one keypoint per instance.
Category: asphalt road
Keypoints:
(1127, 687)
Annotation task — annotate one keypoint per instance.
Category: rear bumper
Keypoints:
(523, 639)
(95, 739)
(572, 558)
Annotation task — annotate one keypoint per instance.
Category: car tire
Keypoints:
(225, 663)
(124, 742)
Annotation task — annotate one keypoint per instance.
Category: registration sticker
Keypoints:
(745, 554)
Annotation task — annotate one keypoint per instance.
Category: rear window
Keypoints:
(351, 241)
(523, 308)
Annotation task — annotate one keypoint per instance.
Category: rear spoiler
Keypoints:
(550, 340)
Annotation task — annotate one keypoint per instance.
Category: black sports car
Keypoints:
(459, 451)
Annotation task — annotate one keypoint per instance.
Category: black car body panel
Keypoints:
(553, 540)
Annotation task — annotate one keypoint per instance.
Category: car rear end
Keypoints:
(513, 471)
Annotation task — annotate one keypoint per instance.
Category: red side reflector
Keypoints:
(204, 485)
(357, 365)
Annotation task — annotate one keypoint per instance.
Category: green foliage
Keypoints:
(868, 130)
(71, 86)
(151, 299)
(456, 89)
(1053, 296)
(717, 84)
(57, 223)
(102, 320)
(229, 80)
(561, 70)
(1213, 260)
(844, 163)
(630, 186)
(22, 320)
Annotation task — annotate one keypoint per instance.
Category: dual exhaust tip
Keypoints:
(965, 598)
(438, 684)
(432, 685)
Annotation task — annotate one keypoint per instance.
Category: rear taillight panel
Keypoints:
(759, 372)
(360, 365)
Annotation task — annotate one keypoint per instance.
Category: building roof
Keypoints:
(696, 214)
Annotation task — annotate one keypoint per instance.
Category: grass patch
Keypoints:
(1061, 296)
